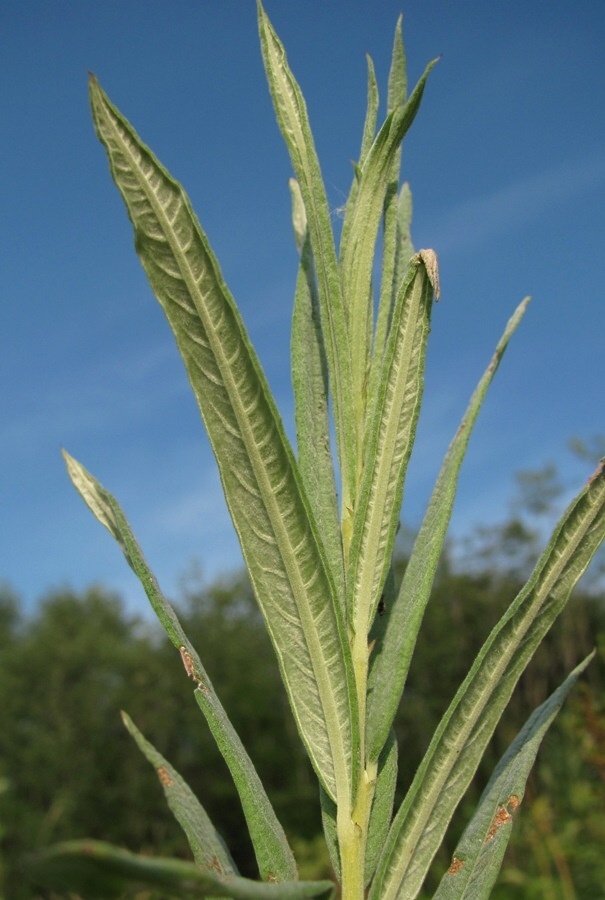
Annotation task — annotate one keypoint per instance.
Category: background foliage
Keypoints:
(68, 768)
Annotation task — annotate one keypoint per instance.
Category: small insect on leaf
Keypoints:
(188, 662)
(382, 607)
(190, 668)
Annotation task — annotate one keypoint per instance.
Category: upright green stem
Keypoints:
(352, 825)
(353, 835)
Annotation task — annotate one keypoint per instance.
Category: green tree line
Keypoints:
(69, 769)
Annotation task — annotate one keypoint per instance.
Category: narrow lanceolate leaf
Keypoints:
(478, 857)
(382, 806)
(398, 78)
(93, 869)
(273, 854)
(357, 256)
(390, 442)
(369, 125)
(208, 848)
(391, 663)
(403, 254)
(328, 821)
(291, 114)
(388, 284)
(311, 409)
(367, 139)
(405, 247)
(466, 727)
(258, 472)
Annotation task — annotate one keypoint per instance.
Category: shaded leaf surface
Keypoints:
(466, 727)
(97, 870)
(390, 665)
(207, 846)
(478, 857)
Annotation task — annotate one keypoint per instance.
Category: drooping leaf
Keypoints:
(98, 871)
(478, 857)
(259, 475)
(465, 729)
(390, 662)
(208, 848)
(273, 853)
(293, 120)
(311, 407)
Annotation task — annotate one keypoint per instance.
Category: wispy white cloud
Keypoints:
(202, 511)
(67, 408)
(482, 218)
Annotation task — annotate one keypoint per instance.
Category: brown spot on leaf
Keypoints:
(164, 776)
(503, 815)
(455, 866)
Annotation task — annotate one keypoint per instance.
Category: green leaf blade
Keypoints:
(367, 139)
(258, 472)
(369, 125)
(292, 118)
(405, 248)
(469, 722)
(93, 869)
(208, 848)
(361, 226)
(310, 382)
(389, 283)
(478, 857)
(396, 260)
(390, 666)
(273, 853)
(398, 78)
(390, 442)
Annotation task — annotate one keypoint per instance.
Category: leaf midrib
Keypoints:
(383, 486)
(295, 577)
(436, 788)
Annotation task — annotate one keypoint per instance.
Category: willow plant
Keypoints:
(317, 529)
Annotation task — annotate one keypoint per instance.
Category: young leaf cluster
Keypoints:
(319, 561)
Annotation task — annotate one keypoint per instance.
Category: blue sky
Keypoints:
(506, 161)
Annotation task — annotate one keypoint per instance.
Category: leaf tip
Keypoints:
(71, 464)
